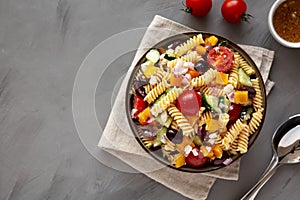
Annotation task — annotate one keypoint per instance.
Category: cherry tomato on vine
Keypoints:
(189, 102)
(234, 11)
(198, 8)
(221, 58)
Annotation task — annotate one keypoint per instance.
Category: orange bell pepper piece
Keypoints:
(144, 116)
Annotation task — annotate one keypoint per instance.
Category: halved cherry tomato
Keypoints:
(196, 160)
(189, 102)
(221, 58)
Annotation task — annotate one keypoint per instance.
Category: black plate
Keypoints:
(163, 44)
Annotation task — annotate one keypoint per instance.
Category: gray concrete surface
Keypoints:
(42, 45)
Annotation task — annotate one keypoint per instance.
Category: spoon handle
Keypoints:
(271, 169)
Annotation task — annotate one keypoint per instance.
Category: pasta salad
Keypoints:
(196, 102)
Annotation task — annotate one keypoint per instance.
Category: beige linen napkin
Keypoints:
(118, 139)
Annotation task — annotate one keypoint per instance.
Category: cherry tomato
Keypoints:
(221, 58)
(196, 161)
(198, 8)
(234, 11)
(189, 102)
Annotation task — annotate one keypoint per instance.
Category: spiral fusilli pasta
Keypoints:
(243, 64)
(174, 125)
(156, 91)
(211, 91)
(257, 100)
(233, 75)
(181, 121)
(197, 82)
(232, 134)
(188, 45)
(159, 75)
(166, 101)
(207, 115)
(233, 149)
(147, 142)
(148, 87)
(204, 79)
(243, 140)
(168, 148)
(210, 75)
(192, 56)
(255, 121)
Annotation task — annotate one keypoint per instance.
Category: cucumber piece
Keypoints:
(170, 56)
(211, 102)
(162, 95)
(157, 142)
(244, 78)
(224, 104)
(246, 113)
(153, 56)
(159, 98)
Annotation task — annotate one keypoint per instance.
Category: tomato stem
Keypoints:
(245, 17)
(186, 9)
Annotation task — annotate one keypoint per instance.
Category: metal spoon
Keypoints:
(286, 150)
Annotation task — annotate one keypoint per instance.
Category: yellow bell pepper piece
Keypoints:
(149, 71)
(201, 50)
(212, 40)
(218, 152)
(144, 115)
(241, 97)
(222, 78)
(179, 160)
(212, 125)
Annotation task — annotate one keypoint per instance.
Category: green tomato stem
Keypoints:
(187, 9)
(245, 17)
